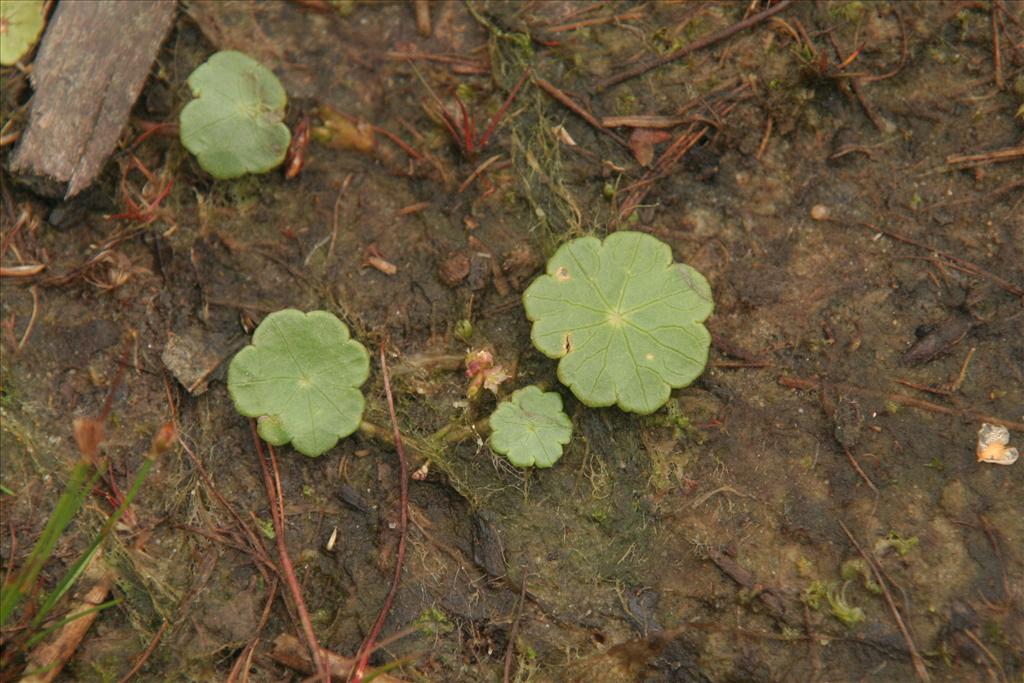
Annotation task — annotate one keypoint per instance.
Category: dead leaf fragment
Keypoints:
(993, 447)
(642, 142)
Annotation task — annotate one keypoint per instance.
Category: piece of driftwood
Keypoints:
(93, 61)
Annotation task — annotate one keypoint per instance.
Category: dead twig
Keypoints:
(954, 261)
(698, 44)
(422, 9)
(981, 158)
(764, 139)
(24, 270)
(570, 104)
(997, 57)
(511, 647)
(988, 653)
(861, 472)
(903, 400)
(31, 321)
(596, 21)
(23, 219)
(144, 657)
(643, 121)
(459, 64)
(915, 657)
(476, 173)
(403, 528)
(335, 217)
(768, 596)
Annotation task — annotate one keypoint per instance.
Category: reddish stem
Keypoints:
(501, 112)
(368, 646)
(468, 131)
(276, 500)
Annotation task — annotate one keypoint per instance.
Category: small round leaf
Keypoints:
(530, 428)
(624, 320)
(301, 377)
(21, 23)
(234, 126)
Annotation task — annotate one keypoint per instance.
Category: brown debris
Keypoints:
(455, 268)
(289, 651)
(642, 142)
(938, 341)
(92, 63)
(374, 259)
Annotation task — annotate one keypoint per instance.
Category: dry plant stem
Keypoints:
(25, 270)
(861, 472)
(146, 654)
(997, 57)
(999, 155)
(903, 400)
(476, 173)
(915, 657)
(363, 656)
(571, 105)
(958, 263)
(265, 565)
(402, 144)
(31, 321)
(244, 659)
(336, 216)
(50, 659)
(511, 648)
(273, 487)
(501, 110)
(698, 44)
(23, 218)
(422, 8)
(988, 653)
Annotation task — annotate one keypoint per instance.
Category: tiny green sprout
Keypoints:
(857, 568)
(814, 593)
(21, 22)
(300, 378)
(530, 428)
(901, 545)
(842, 610)
(464, 330)
(624, 321)
(266, 528)
(433, 621)
(234, 125)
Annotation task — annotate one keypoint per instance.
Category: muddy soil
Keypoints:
(848, 178)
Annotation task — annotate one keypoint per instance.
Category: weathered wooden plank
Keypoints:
(93, 61)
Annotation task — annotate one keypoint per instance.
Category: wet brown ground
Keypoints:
(683, 546)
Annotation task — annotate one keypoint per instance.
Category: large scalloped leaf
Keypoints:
(301, 378)
(624, 320)
(21, 23)
(530, 428)
(234, 126)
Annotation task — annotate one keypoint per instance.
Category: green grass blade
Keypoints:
(82, 561)
(31, 642)
(83, 477)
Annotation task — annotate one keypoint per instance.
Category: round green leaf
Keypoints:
(530, 428)
(21, 22)
(623, 318)
(234, 127)
(301, 378)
